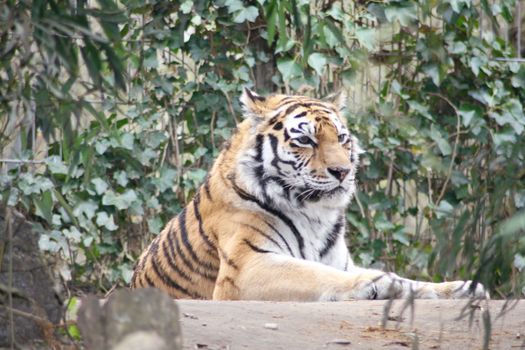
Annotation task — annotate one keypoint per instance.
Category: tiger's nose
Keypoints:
(339, 173)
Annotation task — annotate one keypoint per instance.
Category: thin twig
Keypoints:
(9, 228)
(212, 128)
(17, 312)
(22, 161)
(456, 142)
(388, 189)
(230, 106)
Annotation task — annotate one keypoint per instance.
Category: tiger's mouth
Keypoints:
(315, 195)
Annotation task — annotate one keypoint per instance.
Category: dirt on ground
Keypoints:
(427, 324)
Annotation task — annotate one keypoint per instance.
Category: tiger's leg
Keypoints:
(428, 290)
(269, 276)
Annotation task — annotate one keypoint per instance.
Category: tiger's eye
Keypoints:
(341, 138)
(304, 139)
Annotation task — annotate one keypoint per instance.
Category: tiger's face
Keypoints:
(302, 149)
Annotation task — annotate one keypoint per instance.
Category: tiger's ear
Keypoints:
(253, 105)
(338, 99)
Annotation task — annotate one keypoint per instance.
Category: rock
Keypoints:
(37, 300)
(272, 326)
(131, 319)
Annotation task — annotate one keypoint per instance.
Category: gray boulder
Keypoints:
(146, 319)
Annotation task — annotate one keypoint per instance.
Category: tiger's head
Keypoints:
(299, 150)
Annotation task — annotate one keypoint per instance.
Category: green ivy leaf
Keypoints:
(457, 48)
(289, 68)
(458, 5)
(475, 64)
(469, 113)
(44, 206)
(318, 62)
(120, 201)
(45, 243)
(155, 225)
(100, 185)
(166, 179)
(105, 220)
(421, 109)
(434, 72)
(249, 14)
(444, 209)
(87, 208)
(186, 6)
(405, 13)
(366, 37)
(401, 237)
(442, 142)
(56, 166)
(73, 234)
(382, 223)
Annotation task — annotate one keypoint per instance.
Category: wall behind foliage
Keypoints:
(122, 107)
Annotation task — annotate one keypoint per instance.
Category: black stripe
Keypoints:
(255, 248)
(134, 278)
(300, 115)
(317, 104)
(332, 237)
(253, 96)
(171, 253)
(278, 126)
(264, 234)
(207, 187)
(140, 282)
(171, 261)
(188, 263)
(274, 142)
(273, 120)
(258, 172)
(259, 141)
(186, 241)
(148, 280)
(292, 108)
(282, 237)
(227, 259)
(211, 247)
(230, 281)
(286, 135)
(307, 161)
(301, 124)
(347, 262)
(166, 279)
(241, 193)
(284, 101)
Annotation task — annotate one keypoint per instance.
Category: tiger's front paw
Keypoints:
(380, 286)
(462, 290)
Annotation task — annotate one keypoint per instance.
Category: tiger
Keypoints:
(268, 222)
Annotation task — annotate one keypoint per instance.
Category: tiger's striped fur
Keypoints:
(269, 223)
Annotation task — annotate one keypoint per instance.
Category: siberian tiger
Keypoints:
(269, 221)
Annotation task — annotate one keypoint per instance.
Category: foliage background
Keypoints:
(114, 112)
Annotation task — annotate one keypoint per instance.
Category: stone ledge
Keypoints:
(436, 324)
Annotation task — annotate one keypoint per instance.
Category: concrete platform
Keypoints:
(430, 324)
